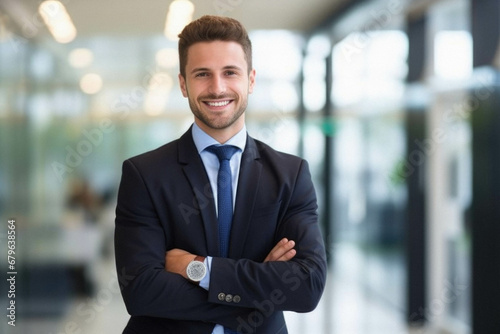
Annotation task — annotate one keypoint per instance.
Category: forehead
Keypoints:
(215, 54)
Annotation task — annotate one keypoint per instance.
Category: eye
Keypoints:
(231, 73)
(201, 74)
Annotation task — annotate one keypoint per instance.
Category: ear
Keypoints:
(251, 81)
(182, 83)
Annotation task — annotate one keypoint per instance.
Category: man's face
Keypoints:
(217, 85)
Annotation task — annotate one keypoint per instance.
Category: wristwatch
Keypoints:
(196, 269)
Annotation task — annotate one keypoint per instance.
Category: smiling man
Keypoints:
(216, 232)
(217, 82)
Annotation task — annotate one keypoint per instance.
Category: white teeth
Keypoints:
(218, 104)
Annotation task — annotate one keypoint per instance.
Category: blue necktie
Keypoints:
(224, 194)
(224, 199)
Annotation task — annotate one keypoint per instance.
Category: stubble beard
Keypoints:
(217, 123)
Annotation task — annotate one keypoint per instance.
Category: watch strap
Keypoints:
(199, 258)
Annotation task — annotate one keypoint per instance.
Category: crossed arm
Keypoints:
(149, 277)
(177, 260)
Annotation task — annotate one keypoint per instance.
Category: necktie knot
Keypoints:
(223, 152)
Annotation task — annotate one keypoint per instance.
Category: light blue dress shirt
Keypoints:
(202, 140)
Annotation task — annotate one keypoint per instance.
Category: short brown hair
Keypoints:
(210, 28)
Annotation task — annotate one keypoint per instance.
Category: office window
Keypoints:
(369, 142)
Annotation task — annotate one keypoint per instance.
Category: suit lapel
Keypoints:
(195, 173)
(248, 184)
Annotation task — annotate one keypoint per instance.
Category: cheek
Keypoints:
(189, 92)
(194, 91)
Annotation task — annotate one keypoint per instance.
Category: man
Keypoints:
(206, 244)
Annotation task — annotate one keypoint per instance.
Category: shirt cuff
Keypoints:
(205, 282)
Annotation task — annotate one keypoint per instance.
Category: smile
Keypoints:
(219, 103)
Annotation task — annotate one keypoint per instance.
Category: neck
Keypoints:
(222, 135)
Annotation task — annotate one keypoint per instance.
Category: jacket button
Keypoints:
(236, 299)
(221, 296)
(229, 298)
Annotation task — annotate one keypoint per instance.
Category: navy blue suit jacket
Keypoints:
(165, 201)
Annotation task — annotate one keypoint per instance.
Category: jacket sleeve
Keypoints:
(295, 285)
(140, 246)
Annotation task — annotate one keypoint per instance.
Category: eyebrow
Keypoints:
(228, 67)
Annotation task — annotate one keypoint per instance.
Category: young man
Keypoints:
(213, 244)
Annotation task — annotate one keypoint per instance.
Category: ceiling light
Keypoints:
(180, 13)
(80, 58)
(91, 83)
(58, 21)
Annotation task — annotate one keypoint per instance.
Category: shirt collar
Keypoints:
(202, 140)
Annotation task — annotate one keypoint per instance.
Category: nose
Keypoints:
(217, 85)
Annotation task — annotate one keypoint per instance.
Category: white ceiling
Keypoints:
(147, 17)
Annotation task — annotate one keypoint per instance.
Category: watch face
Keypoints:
(196, 270)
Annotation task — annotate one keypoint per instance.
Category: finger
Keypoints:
(282, 255)
(275, 248)
(280, 250)
(286, 252)
(275, 253)
(288, 255)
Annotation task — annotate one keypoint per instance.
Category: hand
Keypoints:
(283, 251)
(177, 260)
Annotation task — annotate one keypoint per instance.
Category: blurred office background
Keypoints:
(394, 103)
